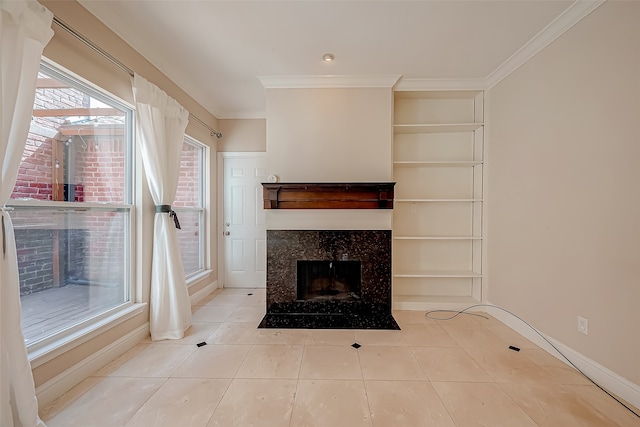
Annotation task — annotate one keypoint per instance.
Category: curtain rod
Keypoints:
(119, 64)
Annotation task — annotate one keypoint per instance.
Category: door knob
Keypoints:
(227, 223)
(226, 233)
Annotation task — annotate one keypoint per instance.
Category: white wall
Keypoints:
(330, 135)
(240, 135)
(563, 196)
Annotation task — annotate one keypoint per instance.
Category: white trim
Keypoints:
(440, 84)
(571, 16)
(202, 293)
(40, 353)
(603, 376)
(87, 83)
(65, 381)
(329, 81)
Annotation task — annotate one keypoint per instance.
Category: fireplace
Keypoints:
(329, 279)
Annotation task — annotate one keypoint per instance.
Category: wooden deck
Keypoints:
(55, 309)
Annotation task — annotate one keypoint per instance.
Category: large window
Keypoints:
(72, 208)
(189, 205)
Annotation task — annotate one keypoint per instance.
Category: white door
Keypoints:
(244, 229)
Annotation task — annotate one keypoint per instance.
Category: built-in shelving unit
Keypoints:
(437, 220)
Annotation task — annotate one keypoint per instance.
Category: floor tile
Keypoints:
(389, 363)
(409, 317)
(104, 402)
(213, 361)
(430, 373)
(379, 337)
(562, 372)
(148, 360)
(271, 361)
(255, 300)
(256, 402)
(238, 291)
(481, 404)
(424, 335)
(552, 405)
(504, 365)
(330, 337)
(331, 403)
(247, 314)
(511, 337)
(228, 299)
(330, 362)
(198, 332)
(449, 364)
(474, 337)
(234, 333)
(453, 319)
(212, 313)
(282, 336)
(181, 402)
(406, 403)
(208, 298)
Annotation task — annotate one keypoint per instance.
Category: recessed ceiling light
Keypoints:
(328, 57)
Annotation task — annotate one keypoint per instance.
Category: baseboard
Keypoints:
(605, 377)
(202, 293)
(73, 376)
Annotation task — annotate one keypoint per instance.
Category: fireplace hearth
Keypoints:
(329, 279)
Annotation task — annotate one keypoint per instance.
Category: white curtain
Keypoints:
(160, 126)
(25, 28)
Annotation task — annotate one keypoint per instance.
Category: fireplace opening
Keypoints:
(329, 280)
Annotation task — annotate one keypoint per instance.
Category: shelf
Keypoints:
(437, 238)
(438, 273)
(435, 200)
(432, 302)
(436, 128)
(440, 163)
(328, 195)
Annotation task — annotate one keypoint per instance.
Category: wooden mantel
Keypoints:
(328, 195)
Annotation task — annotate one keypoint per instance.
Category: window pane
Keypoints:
(75, 149)
(74, 245)
(189, 206)
(189, 181)
(71, 263)
(189, 239)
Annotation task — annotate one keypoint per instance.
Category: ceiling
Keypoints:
(217, 50)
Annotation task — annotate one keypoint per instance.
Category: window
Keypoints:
(72, 208)
(189, 205)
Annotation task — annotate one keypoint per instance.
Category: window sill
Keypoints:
(198, 277)
(46, 350)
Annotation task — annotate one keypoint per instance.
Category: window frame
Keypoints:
(193, 277)
(48, 347)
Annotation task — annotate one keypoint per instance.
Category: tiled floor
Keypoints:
(458, 372)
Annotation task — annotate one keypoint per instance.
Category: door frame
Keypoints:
(222, 155)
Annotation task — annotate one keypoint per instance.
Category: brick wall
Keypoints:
(188, 196)
(91, 169)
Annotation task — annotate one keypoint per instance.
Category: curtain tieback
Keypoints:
(171, 212)
(4, 232)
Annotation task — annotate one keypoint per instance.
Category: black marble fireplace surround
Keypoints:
(366, 305)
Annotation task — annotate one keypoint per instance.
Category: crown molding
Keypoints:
(440, 84)
(328, 81)
(574, 14)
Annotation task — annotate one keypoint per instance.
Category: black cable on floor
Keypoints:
(458, 313)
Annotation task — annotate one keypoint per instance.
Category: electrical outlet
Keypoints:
(583, 325)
